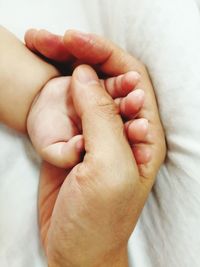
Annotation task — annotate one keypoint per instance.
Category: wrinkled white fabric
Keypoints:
(165, 35)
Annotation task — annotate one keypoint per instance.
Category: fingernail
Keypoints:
(144, 123)
(139, 93)
(135, 75)
(80, 146)
(84, 36)
(85, 74)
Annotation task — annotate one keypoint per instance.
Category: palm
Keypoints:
(50, 121)
(51, 182)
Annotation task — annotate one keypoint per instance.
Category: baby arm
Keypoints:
(22, 75)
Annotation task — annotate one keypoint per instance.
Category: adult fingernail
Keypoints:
(135, 75)
(86, 74)
(143, 123)
(138, 93)
(84, 36)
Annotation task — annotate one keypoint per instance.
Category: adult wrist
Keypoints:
(118, 258)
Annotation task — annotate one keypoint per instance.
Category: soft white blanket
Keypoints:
(165, 35)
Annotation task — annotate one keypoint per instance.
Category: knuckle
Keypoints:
(81, 172)
(89, 175)
(142, 69)
(86, 48)
(107, 106)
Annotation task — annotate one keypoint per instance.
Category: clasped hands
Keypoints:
(103, 144)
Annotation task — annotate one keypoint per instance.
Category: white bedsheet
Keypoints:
(165, 35)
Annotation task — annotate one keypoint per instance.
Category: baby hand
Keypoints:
(55, 129)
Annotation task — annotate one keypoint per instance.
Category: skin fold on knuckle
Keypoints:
(85, 48)
(106, 107)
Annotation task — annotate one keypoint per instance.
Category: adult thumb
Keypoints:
(103, 129)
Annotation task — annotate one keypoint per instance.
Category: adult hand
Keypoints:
(107, 218)
(76, 47)
(87, 214)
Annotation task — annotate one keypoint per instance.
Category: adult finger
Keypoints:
(47, 44)
(87, 48)
(93, 49)
(102, 126)
(113, 61)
